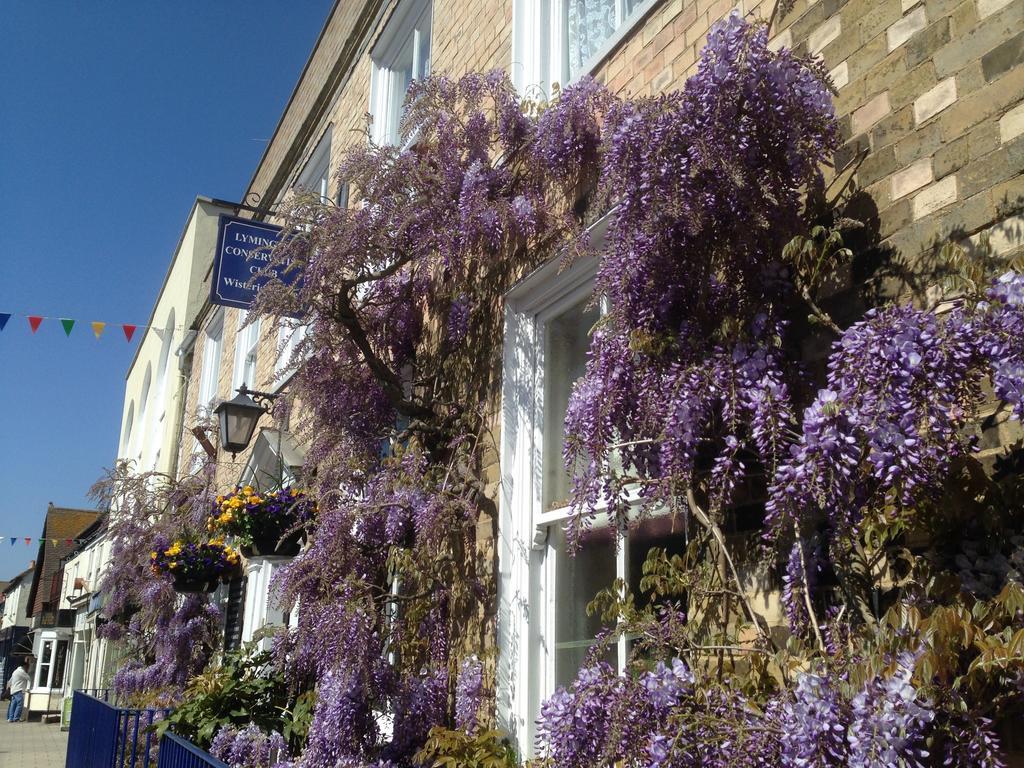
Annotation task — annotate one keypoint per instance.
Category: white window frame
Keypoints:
(49, 662)
(540, 55)
(411, 22)
(527, 553)
(247, 346)
(45, 661)
(526, 660)
(315, 177)
(213, 347)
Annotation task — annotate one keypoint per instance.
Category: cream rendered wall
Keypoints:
(154, 438)
(15, 607)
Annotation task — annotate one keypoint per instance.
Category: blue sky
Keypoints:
(113, 117)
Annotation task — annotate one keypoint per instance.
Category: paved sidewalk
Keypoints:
(32, 745)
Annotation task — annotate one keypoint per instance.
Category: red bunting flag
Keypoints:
(28, 540)
(129, 331)
(34, 321)
(69, 542)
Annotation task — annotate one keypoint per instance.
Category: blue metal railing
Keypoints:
(93, 734)
(104, 735)
(176, 752)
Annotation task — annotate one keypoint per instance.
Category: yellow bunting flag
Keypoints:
(97, 328)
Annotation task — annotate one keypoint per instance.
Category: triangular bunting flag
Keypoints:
(34, 321)
(28, 540)
(97, 328)
(4, 317)
(68, 325)
(68, 542)
(54, 542)
(14, 541)
(129, 331)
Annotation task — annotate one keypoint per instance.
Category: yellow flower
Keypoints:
(220, 499)
(175, 548)
(152, 555)
(172, 564)
(248, 490)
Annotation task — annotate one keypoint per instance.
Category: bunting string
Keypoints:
(98, 326)
(28, 540)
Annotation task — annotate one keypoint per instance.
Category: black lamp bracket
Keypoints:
(264, 400)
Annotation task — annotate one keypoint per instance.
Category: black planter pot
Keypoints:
(199, 585)
(273, 545)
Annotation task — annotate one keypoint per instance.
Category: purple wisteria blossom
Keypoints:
(888, 722)
(249, 747)
(812, 725)
(469, 694)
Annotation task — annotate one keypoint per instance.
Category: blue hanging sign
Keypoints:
(241, 260)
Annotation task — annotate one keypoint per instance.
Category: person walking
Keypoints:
(18, 685)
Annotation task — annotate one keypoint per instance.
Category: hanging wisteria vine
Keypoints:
(164, 638)
(851, 482)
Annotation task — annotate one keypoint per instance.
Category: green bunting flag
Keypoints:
(68, 325)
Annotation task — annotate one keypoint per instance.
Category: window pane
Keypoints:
(664, 532)
(590, 23)
(565, 361)
(578, 579)
(422, 60)
(60, 664)
(401, 76)
(45, 658)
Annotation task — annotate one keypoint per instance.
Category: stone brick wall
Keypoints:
(931, 89)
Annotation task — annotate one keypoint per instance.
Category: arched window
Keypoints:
(126, 434)
(144, 410)
(165, 354)
(163, 375)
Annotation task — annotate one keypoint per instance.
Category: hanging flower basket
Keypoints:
(267, 545)
(188, 585)
(196, 567)
(263, 524)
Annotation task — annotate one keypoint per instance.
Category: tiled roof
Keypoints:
(61, 524)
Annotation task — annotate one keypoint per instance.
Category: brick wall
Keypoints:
(933, 89)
